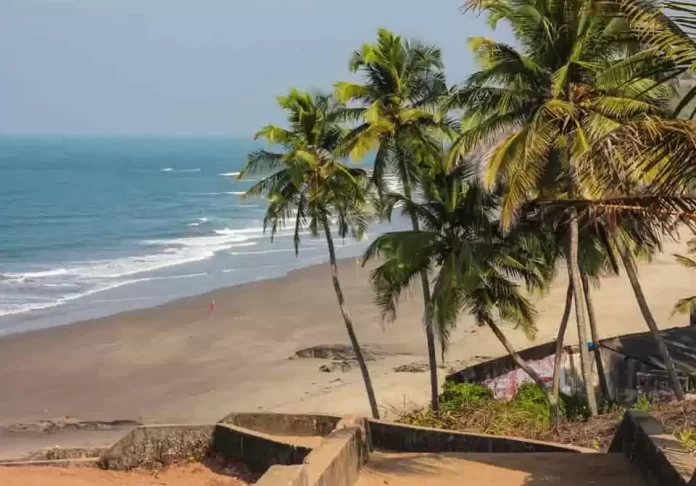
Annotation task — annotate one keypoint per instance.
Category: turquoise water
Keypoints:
(94, 226)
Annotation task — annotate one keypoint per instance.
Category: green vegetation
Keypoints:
(562, 151)
(642, 404)
(456, 395)
(472, 407)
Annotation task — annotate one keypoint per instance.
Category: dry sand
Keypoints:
(188, 475)
(174, 364)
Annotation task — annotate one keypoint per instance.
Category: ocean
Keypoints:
(93, 226)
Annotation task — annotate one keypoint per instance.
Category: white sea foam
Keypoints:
(229, 174)
(35, 275)
(236, 193)
(182, 171)
(81, 279)
(265, 252)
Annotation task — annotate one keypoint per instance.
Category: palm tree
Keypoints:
(687, 305)
(669, 26)
(595, 260)
(546, 103)
(308, 186)
(475, 266)
(397, 117)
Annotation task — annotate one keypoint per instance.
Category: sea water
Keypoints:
(92, 226)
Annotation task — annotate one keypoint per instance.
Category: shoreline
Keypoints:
(172, 363)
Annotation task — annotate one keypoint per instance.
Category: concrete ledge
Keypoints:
(283, 476)
(159, 445)
(284, 424)
(341, 456)
(406, 438)
(644, 441)
(257, 451)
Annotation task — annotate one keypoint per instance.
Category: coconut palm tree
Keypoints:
(475, 267)
(687, 305)
(670, 27)
(396, 113)
(308, 187)
(545, 104)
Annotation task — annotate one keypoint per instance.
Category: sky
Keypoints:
(195, 66)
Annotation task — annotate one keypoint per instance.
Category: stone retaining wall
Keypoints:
(157, 446)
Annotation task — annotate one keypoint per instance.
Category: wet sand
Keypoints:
(173, 363)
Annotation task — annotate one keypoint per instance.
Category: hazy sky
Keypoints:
(194, 66)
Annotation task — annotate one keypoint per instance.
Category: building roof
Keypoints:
(681, 343)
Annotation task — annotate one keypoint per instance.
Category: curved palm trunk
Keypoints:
(574, 274)
(522, 364)
(558, 360)
(650, 320)
(429, 333)
(349, 323)
(595, 338)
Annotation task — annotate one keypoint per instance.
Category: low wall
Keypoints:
(341, 456)
(283, 476)
(406, 438)
(644, 441)
(157, 446)
(284, 424)
(256, 451)
(496, 367)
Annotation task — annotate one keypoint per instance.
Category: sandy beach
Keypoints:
(173, 363)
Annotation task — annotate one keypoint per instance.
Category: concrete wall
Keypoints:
(256, 451)
(284, 424)
(643, 440)
(341, 456)
(283, 476)
(157, 446)
(406, 438)
(499, 366)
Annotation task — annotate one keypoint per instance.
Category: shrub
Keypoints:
(456, 395)
(574, 407)
(532, 400)
(642, 404)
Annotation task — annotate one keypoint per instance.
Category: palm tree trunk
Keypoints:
(349, 323)
(649, 319)
(595, 338)
(522, 364)
(558, 360)
(429, 333)
(574, 274)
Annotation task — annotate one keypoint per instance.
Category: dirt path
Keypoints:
(190, 475)
(531, 469)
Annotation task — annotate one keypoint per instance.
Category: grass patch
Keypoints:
(469, 407)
